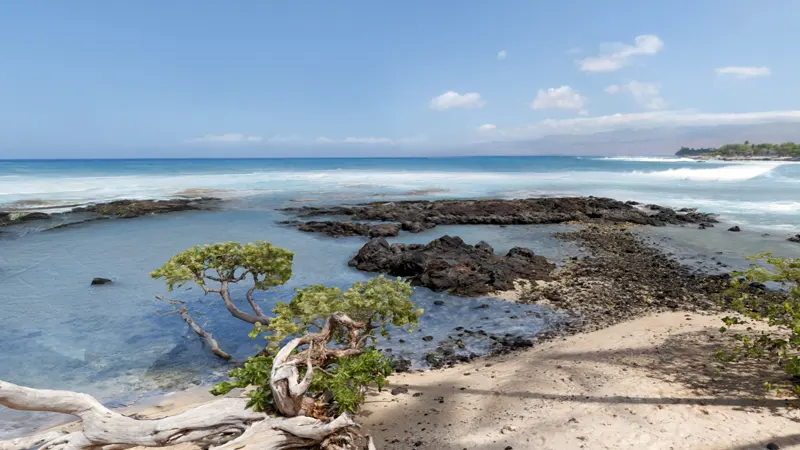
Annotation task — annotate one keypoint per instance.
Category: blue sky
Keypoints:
(179, 78)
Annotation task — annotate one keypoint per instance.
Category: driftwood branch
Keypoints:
(225, 422)
(212, 343)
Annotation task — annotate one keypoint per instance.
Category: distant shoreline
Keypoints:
(743, 158)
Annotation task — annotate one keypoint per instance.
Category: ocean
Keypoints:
(118, 342)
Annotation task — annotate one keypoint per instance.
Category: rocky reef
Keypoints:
(449, 264)
(121, 209)
(416, 216)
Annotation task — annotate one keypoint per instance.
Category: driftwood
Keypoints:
(225, 423)
(222, 424)
(213, 345)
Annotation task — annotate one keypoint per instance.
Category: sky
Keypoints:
(183, 78)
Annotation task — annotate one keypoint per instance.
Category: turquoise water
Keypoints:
(753, 193)
(111, 341)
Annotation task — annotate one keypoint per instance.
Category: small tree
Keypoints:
(779, 309)
(215, 267)
(333, 379)
(307, 381)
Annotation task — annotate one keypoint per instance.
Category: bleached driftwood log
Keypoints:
(224, 422)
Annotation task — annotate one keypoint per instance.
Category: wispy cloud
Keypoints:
(227, 137)
(619, 55)
(644, 120)
(563, 97)
(451, 100)
(371, 140)
(501, 55)
(487, 127)
(744, 72)
(648, 95)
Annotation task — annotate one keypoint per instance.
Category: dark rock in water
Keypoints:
(401, 364)
(438, 302)
(339, 229)
(509, 212)
(33, 216)
(704, 225)
(427, 338)
(7, 219)
(97, 281)
(795, 238)
(448, 264)
(772, 446)
(399, 390)
(126, 209)
(735, 228)
(416, 227)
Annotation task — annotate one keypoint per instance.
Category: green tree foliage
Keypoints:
(340, 373)
(215, 267)
(746, 150)
(377, 303)
(779, 309)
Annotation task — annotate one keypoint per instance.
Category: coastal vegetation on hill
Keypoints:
(747, 150)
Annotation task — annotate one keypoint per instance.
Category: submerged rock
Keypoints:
(795, 238)
(97, 281)
(448, 264)
(735, 229)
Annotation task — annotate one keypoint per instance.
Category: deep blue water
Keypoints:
(111, 341)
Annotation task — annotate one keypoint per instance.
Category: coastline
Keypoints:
(648, 382)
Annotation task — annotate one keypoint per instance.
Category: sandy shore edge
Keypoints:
(646, 383)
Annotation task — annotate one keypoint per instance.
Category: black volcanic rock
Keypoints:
(416, 216)
(98, 281)
(448, 264)
(340, 229)
(795, 238)
(127, 209)
(735, 229)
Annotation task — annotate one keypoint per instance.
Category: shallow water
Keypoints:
(110, 341)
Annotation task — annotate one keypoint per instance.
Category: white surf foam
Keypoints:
(738, 172)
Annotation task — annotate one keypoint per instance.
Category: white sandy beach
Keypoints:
(642, 384)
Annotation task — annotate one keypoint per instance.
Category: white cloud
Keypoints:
(487, 127)
(648, 95)
(367, 140)
(744, 72)
(643, 120)
(451, 99)
(619, 55)
(228, 137)
(371, 140)
(501, 55)
(563, 97)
